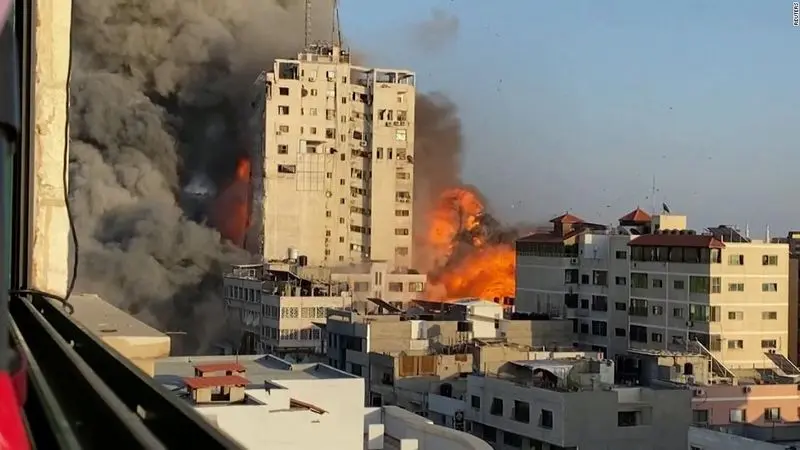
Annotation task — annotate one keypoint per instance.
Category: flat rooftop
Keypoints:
(170, 371)
(104, 319)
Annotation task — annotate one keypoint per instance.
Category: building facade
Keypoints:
(333, 169)
(651, 283)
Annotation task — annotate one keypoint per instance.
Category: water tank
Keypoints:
(293, 254)
(302, 260)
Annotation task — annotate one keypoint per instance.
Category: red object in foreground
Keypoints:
(12, 431)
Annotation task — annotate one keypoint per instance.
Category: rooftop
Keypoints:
(673, 238)
(637, 216)
(258, 368)
(205, 382)
(104, 319)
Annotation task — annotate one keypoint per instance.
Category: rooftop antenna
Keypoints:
(307, 24)
(653, 211)
(766, 240)
(336, 30)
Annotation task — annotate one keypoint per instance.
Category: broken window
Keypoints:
(287, 168)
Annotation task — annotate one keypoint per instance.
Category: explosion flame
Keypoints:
(474, 257)
(231, 210)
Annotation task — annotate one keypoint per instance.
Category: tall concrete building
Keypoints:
(651, 283)
(333, 170)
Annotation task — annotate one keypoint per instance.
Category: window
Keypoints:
(772, 414)
(769, 315)
(700, 416)
(403, 176)
(700, 313)
(769, 260)
(658, 310)
(283, 149)
(639, 280)
(402, 212)
(416, 286)
(521, 412)
(546, 419)
(283, 128)
(677, 312)
(679, 284)
(627, 418)
(656, 337)
(512, 439)
(328, 214)
(600, 278)
(735, 344)
(769, 287)
(401, 251)
(621, 281)
(401, 231)
(658, 283)
(287, 168)
(705, 285)
(584, 303)
(619, 332)
(638, 307)
(637, 333)
(360, 286)
(283, 91)
(283, 110)
(496, 408)
(585, 279)
(735, 287)
(769, 343)
(599, 303)
(344, 100)
(621, 254)
(312, 130)
(400, 134)
(735, 315)
(395, 287)
(599, 328)
(738, 416)
(620, 306)
(476, 402)
(735, 260)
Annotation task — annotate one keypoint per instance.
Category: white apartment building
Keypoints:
(333, 166)
(262, 401)
(651, 283)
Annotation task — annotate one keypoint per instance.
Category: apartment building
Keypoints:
(793, 240)
(651, 283)
(350, 336)
(333, 165)
(265, 402)
(573, 403)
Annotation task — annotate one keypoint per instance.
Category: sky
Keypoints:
(579, 105)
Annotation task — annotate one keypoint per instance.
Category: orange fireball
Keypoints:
(231, 208)
(482, 270)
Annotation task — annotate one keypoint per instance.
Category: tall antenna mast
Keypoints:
(653, 195)
(337, 29)
(307, 24)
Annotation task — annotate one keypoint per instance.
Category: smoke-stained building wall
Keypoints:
(338, 161)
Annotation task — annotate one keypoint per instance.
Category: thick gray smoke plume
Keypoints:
(156, 91)
(158, 94)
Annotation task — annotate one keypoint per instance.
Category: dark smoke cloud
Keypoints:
(437, 31)
(157, 95)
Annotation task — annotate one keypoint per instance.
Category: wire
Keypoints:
(68, 205)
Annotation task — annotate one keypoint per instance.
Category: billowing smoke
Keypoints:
(157, 99)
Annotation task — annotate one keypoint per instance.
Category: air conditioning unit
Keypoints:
(397, 123)
(388, 124)
(363, 143)
(746, 389)
(573, 261)
(278, 133)
(698, 392)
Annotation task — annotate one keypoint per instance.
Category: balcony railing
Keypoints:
(83, 394)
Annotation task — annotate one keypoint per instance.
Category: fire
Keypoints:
(470, 265)
(231, 209)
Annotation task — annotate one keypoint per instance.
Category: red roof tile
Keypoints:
(219, 367)
(550, 237)
(636, 216)
(677, 240)
(205, 382)
(567, 218)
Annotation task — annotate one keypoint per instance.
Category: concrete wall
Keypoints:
(402, 424)
(705, 439)
(720, 400)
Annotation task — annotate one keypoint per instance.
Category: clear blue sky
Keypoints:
(577, 105)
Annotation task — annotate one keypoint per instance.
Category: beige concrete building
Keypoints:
(134, 340)
(333, 175)
(351, 336)
(651, 283)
